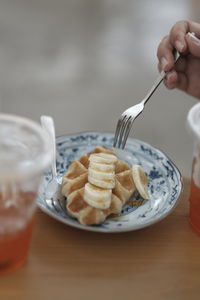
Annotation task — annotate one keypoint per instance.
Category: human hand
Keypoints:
(185, 74)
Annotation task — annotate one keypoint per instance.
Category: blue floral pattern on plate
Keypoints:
(165, 182)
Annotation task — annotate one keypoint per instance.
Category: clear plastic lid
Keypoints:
(193, 121)
(193, 124)
(25, 148)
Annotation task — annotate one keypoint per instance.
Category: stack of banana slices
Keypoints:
(99, 184)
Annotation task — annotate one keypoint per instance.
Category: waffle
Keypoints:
(73, 187)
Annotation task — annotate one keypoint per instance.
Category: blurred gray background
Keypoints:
(86, 61)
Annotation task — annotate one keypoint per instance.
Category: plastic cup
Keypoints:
(193, 124)
(25, 152)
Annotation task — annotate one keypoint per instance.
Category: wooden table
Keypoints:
(158, 262)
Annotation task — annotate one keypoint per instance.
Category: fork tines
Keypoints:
(122, 131)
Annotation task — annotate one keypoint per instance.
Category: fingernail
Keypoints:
(170, 80)
(164, 63)
(171, 77)
(179, 46)
(193, 38)
(170, 74)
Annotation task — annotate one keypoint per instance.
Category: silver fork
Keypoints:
(53, 197)
(127, 118)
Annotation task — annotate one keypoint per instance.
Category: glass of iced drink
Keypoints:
(193, 122)
(25, 152)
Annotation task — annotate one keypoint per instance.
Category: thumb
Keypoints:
(193, 44)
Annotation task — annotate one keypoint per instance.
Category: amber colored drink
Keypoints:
(14, 249)
(14, 241)
(26, 151)
(194, 213)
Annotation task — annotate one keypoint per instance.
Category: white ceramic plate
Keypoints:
(165, 183)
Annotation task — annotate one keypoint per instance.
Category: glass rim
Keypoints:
(43, 159)
(193, 120)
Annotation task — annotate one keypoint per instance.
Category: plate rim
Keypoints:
(116, 230)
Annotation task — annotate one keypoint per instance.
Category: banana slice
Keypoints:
(103, 158)
(101, 171)
(97, 197)
(102, 167)
(105, 176)
(104, 184)
(141, 181)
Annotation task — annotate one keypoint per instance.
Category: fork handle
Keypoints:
(159, 79)
(47, 123)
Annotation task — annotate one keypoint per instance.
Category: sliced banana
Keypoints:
(141, 181)
(101, 171)
(103, 158)
(105, 184)
(105, 176)
(102, 167)
(97, 197)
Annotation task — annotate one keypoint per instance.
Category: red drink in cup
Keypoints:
(25, 152)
